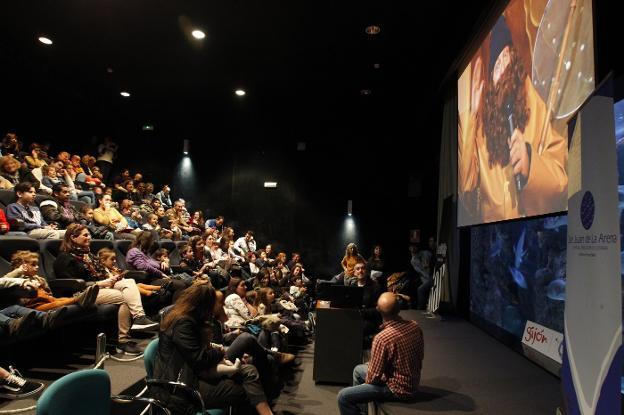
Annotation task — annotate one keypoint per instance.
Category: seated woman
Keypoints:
(12, 172)
(138, 258)
(34, 159)
(25, 266)
(163, 221)
(197, 220)
(108, 216)
(250, 268)
(352, 257)
(183, 357)
(239, 310)
(77, 261)
(376, 263)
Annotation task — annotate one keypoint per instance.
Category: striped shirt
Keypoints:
(396, 357)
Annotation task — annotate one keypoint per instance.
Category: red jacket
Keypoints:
(4, 225)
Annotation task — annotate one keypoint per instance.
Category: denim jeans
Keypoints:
(16, 311)
(353, 400)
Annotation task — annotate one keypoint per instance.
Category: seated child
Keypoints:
(25, 266)
(162, 255)
(108, 258)
(97, 231)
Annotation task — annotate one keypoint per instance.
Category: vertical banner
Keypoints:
(592, 363)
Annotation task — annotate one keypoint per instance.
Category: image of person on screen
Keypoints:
(509, 153)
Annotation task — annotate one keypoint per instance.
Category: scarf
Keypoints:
(90, 262)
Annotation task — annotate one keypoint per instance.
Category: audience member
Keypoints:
(106, 154)
(352, 257)
(165, 197)
(59, 210)
(183, 357)
(376, 263)
(12, 172)
(77, 261)
(393, 372)
(28, 214)
(110, 217)
(25, 266)
(245, 244)
(11, 146)
(216, 223)
(14, 386)
(34, 159)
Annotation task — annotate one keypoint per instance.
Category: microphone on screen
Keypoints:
(510, 119)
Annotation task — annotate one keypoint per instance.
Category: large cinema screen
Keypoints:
(530, 74)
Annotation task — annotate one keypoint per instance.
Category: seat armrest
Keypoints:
(67, 285)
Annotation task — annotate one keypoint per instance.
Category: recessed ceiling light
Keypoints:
(45, 40)
(366, 92)
(198, 34)
(377, 65)
(271, 185)
(124, 94)
(372, 30)
(109, 70)
(240, 92)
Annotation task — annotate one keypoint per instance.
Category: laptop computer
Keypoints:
(343, 296)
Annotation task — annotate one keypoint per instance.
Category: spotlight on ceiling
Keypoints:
(350, 208)
(148, 127)
(186, 146)
(240, 92)
(271, 185)
(372, 30)
(365, 92)
(124, 94)
(45, 40)
(198, 34)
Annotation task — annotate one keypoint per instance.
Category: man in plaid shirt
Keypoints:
(393, 372)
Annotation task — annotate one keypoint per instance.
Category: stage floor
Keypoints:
(464, 371)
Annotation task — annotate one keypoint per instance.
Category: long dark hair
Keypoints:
(193, 241)
(144, 241)
(262, 297)
(197, 302)
(72, 231)
(510, 86)
(232, 285)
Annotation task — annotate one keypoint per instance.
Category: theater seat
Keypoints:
(122, 247)
(61, 287)
(11, 244)
(7, 197)
(98, 244)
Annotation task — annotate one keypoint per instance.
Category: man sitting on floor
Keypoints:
(393, 372)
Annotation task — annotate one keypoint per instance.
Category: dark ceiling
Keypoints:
(302, 63)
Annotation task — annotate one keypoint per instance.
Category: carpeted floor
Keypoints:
(465, 371)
